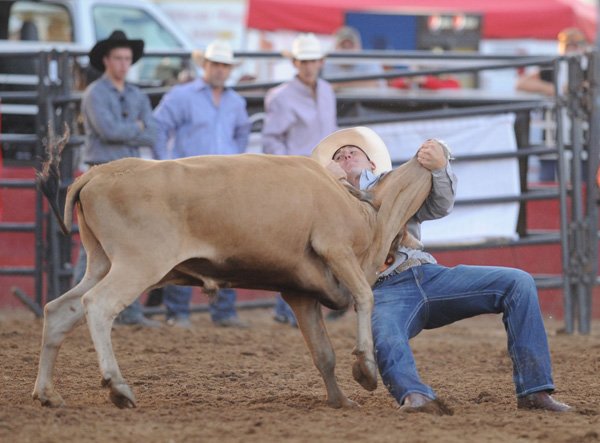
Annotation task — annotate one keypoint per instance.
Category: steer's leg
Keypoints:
(344, 266)
(310, 321)
(118, 289)
(61, 316)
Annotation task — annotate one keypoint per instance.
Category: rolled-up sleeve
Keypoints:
(440, 201)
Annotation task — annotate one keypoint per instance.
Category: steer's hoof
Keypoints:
(49, 399)
(345, 403)
(122, 396)
(364, 375)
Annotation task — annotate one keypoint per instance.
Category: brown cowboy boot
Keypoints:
(416, 402)
(542, 400)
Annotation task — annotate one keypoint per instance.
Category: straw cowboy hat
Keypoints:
(306, 47)
(219, 51)
(364, 138)
(117, 39)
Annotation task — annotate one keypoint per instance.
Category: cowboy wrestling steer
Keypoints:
(246, 221)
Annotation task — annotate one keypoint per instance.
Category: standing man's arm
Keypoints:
(168, 117)
(328, 104)
(242, 128)
(533, 82)
(278, 120)
(146, 123)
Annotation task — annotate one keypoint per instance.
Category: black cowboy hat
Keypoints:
(117, 39)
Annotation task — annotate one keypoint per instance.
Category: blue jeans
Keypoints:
(430, 296)
(177, 301)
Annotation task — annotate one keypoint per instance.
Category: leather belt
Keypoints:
(407, 264)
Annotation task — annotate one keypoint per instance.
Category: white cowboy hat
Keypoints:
(307, 47)
(219, 51)
(364, 138)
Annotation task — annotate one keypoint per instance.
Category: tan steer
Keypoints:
(277, 223)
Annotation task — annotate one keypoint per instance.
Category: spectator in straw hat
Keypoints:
(571, 41)
(299, 113)
(203, 117)
(413, 292)
(118, 121)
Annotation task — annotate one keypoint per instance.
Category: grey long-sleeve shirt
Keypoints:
(110, 119)
(439, 203)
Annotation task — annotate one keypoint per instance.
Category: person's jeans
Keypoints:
(177, 301)
(131, 314)
(430, 296)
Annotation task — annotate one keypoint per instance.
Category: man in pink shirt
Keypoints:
(301, 112)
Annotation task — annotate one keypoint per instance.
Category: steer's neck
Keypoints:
(398, 195)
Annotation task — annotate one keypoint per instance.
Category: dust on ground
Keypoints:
(259, 385)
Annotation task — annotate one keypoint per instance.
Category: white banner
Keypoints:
(490, 178)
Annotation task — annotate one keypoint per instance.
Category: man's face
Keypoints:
(353, 160)
(347, 45)
(308, 70)
(216, 74)
(571, 48)
(117, 62)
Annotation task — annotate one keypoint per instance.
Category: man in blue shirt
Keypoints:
(118, 121)
(203, 117)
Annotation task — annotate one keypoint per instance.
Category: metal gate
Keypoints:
(57, 103)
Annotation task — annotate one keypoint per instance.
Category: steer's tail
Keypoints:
(48, 179)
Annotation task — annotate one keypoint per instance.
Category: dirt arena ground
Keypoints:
(259, 385)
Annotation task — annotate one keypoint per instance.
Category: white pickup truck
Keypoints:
(30, 26)
(80, 23)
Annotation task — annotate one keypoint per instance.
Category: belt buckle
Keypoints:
(405, 265)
